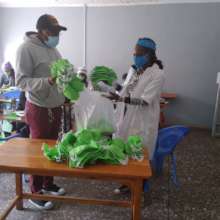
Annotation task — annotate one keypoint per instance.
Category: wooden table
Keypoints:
(25, 156)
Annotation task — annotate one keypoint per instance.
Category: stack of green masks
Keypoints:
(61, 151)
(66, 79)
(83, 155)
(102, 73)
(114, 152)
(133, 148)
(89, 146)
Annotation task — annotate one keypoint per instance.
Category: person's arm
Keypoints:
(153, 89)
(127, 100)
(134, 101)
(104, 87)
(24, 73)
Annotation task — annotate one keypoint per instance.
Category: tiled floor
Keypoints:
(198, 169)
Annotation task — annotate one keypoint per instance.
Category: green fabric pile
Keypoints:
(134, 148)
(66, 79)
(61, 151)
(89, 146)
(12, 116)
(102, 73)
(2, 135)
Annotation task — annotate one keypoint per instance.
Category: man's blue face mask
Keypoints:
(52, 41)
(140, 61)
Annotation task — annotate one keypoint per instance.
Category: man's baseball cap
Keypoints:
(50, 23)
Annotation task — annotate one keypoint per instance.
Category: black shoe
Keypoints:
(41, 204)
(122, 190)
(54, 190)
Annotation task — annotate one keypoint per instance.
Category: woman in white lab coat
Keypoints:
(139, 107)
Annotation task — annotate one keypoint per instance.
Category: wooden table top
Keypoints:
(25, 155)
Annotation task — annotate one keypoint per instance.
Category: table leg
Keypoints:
(19, 191)
(137, 188)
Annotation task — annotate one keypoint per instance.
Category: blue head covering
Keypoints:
(147, 43)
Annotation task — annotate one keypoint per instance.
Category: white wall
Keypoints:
(187, 37)
(1, 48)
(17, 21)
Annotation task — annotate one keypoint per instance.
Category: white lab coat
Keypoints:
(142, 120)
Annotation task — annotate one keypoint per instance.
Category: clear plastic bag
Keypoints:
(95, 112)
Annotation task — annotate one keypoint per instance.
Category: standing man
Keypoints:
(43, 105)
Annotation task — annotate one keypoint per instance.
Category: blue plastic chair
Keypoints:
(14, 94)
(167, 140)
(10, 137)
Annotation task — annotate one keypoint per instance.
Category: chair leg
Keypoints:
(173, 170)
(146, 186)
(158, 165)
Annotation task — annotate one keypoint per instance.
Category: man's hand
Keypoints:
(51, 80)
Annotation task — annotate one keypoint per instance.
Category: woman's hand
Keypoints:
(113, 97)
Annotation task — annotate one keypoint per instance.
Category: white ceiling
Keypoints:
(38, 3)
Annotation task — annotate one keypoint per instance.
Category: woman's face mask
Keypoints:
(52, 41)
(141, 61)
